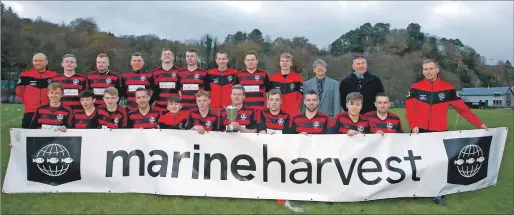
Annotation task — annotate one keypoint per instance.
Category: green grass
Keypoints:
(498, 199)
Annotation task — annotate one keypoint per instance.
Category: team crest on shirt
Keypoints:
(60, 117)
(423, 97)
(408, 94)
(280, 121)
(215, 80)
(257, 77)
(243, 116)
(360, 128)
(143, 78)
(208, 123)
(173, 75)
(152, 119)
(389, 125)
(116, 120)
(229, 78)
(108, 80)
(197, 76)
(292, 86)
(441, 96)
(75, 81)
(49, 81)
(316, 124)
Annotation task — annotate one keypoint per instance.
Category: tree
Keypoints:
(256, 36)
(415, 37)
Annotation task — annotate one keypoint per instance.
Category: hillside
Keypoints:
(394, 54)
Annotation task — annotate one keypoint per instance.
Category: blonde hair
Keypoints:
(287, 56)
(111, 91)
(55, 85)
(203, 93)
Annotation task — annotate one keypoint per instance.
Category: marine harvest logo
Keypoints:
(53, 160)
(467, 159)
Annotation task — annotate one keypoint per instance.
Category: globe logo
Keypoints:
(470, 160)
(53, 160)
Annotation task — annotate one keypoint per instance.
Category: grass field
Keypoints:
(497, 200)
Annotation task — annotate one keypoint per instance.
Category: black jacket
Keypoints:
(369, 87)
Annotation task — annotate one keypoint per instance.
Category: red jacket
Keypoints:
(427, 105)
(32, 88)
(291, 89)
(221, 87)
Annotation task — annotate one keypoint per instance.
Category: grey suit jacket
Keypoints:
(329, 103)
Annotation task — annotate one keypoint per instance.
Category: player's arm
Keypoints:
(399, 128)
(34, 122)
(261, 126)
(292, 128)
(190, 122)
(70, 121)
(123, 87)
(335, 125)
(155, 90)
(216, 124)
(207, 83)
(85, 85)
(464, 110)
(410, 108)
(20, 88)
(130, 123)
(326, 127)
(268, 85)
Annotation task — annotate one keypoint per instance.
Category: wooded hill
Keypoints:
(393, 54)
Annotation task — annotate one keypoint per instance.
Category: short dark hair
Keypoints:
(431, 61)
(251, 52)
(137, 54)
(381, 95)
(354, 96)
(358, 56)
(141, 89)
(222, 52)
(174, 99)
(87, 94)
(312, 92)
(167, 49)
(193, 50)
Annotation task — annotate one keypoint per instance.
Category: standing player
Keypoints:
(143, 116)
(112, 115)
(192, 80)
(221, 80)
(351, 122)
(245, 120)
(382, 121)
(174, 118)
(166, 80)
(203, 119)
(72, 82)
(138, 78)
(53, 115)
(312, 121)
(102, 78)
(290, 84)
(273, 120)
(32, 87)
(255, 82)
(427, 105)
(87, 117)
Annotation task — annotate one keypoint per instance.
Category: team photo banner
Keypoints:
(328, 168)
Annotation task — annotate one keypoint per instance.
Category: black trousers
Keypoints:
(27, 119)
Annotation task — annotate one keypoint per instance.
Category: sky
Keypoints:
(485, 26)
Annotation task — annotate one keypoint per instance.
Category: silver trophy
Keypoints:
(232, 116)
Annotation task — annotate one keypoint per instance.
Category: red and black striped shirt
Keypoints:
(343, 123)
(174, 120)
(53, 116)
(319, 124)
(391, 124)
(116, 119)
(72, 87)
(210, 122)
(81, 120)
(268, 121)
(167, 84)
(133, 80)
(256, 86)
(245, 117)
(138, 120)
(99, 81)
(190, 83)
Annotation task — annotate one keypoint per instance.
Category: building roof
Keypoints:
(483, 91)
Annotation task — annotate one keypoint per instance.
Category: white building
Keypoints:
(494, 97)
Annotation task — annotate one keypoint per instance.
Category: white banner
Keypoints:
(330, 168)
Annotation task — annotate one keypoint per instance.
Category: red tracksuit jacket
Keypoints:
(221, 87)
(32, 88)
(291, 89)
(427, 105)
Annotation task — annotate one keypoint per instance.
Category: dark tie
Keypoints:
(320, 88)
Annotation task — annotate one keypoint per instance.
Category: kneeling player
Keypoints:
(87, 117)
(245, 119)
(351, 122)
(174, 118)
(312, 121)
(382, 121)
(273, 120)
(203, 119)
(111, 115)
(143, 116)
(53, 115)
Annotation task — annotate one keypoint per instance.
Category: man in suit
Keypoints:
(327, 89)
